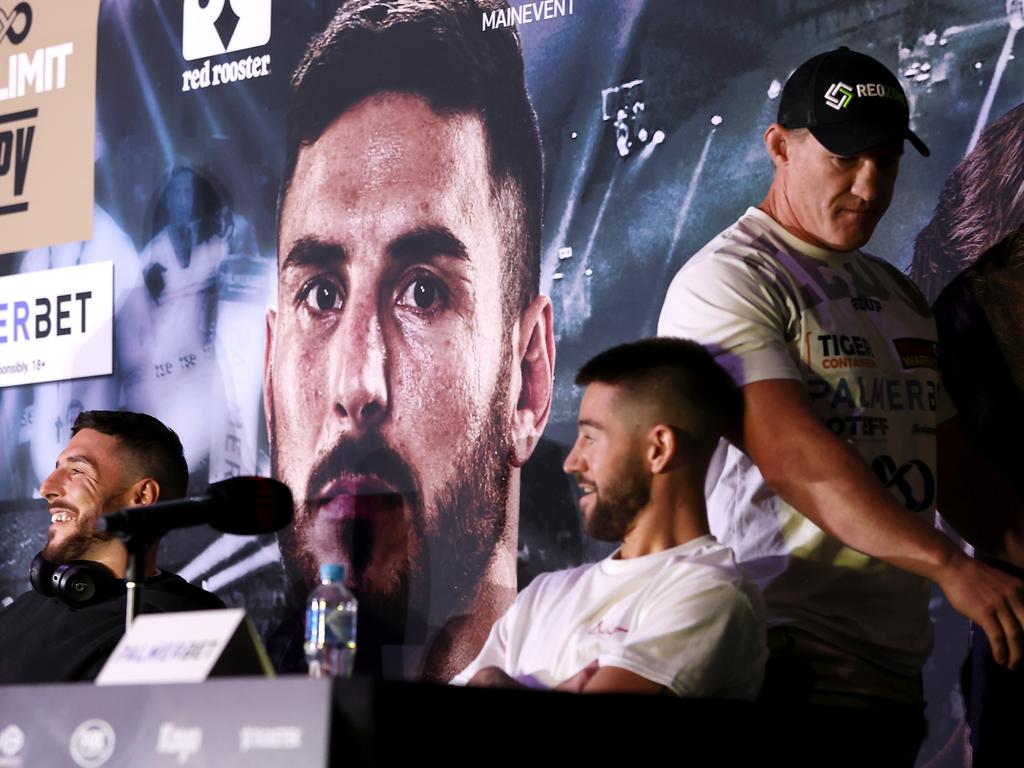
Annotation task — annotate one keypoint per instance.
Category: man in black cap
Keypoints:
(828, 495)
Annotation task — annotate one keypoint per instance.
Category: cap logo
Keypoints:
(881, 90)
(838, 95)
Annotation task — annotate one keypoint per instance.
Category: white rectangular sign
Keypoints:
(57, 324)
(179, 647)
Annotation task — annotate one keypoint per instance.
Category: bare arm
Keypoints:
(618, 680)
(590, 679)
(826, 480)
(830, 484)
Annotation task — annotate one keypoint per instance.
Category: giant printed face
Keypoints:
(394, 385)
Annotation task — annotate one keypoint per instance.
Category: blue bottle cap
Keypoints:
(332, 572)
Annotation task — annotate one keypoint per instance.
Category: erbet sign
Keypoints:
(56, 324)
(212, 28)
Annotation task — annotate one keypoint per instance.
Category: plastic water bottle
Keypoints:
(331, 625)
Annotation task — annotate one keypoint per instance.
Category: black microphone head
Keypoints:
(250, 505)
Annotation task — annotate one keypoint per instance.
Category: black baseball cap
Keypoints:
(849, 101)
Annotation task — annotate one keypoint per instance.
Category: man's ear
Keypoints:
(145, 491)
(776, 141)
(268, 378)
(535, 359)
(663, 452)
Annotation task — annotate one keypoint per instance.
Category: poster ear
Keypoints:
(268, 378)
(535, 356)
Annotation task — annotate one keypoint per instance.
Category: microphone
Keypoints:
(241, 505)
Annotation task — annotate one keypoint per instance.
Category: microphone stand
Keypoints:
(134, 573)
(266, 504)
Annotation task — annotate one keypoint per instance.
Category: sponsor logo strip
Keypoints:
(917, 353)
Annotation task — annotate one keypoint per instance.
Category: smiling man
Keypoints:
(669, 611)
(410, 357)
(57, 633)
(828, 496)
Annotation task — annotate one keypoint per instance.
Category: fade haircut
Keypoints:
(680, 379)
(981, 203)
(154, 447)
(435, 49)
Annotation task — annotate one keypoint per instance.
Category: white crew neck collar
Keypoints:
(614, 564)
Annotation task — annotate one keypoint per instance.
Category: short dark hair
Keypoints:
(677, 375)
(154, 446)
(981, 203)
(435, 49)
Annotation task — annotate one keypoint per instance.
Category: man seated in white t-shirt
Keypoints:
(669, 610)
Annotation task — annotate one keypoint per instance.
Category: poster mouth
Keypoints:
(359, 506)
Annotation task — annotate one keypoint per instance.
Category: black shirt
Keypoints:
(45, 640)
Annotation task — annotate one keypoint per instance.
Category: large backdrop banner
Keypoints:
(357, 260)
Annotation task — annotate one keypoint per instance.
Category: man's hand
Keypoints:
(578, 682)
(494, 677)
(991, 599)
(594, 678)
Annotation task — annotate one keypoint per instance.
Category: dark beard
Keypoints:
(616, 507)
(75, 546)
(439, 577)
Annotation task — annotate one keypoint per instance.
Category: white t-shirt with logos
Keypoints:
(686, 618)
(861, 339)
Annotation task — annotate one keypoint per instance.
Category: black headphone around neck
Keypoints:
(78, 583)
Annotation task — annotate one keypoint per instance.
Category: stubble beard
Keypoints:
(616, 507)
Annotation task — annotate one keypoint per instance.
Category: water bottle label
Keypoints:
(337, 628)
(313, 624)
(329, 627)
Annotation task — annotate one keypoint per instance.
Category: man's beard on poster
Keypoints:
(615, 509)
(467, 521)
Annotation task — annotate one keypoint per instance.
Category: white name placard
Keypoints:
(57, 324)
(177, 647)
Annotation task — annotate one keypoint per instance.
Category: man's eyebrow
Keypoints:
(426, 242)
(590, 423)
(416, 245)
(312, 251)
(76, 459)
